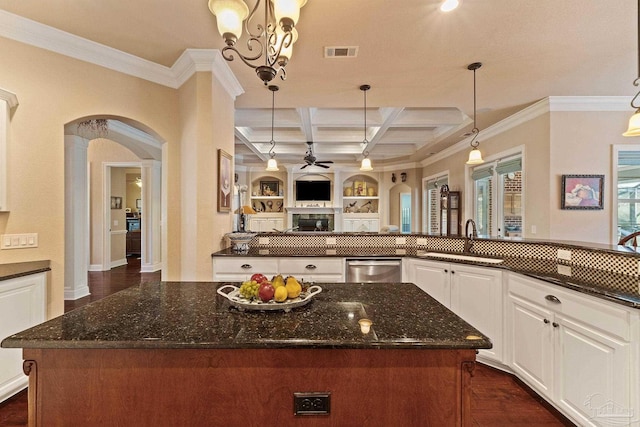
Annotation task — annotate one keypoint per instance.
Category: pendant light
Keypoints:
(365, 166)
(475, 157)
(272, 164)
(634, 121)
(449, 5)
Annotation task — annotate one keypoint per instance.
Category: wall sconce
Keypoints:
(393, 177)
(403, 176)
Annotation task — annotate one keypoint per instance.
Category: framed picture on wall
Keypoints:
(116, 202)
(224, 181)
(582, 192)
(269, 188)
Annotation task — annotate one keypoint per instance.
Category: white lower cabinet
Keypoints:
(473, 293)
(309, 269)
(580, 352)
(350, 225)
(23, 304)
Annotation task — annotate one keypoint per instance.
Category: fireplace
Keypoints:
(313, 222)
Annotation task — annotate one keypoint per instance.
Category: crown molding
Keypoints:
(9, 97)
(33, 33)
(590, 103)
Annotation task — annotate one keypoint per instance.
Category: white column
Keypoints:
(76, 218)
(151, 209)
(8, 101)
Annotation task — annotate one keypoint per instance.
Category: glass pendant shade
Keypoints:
(365, 166)
(287, 12)
(449, 5)
(229, 16)
(287, 51)
(634, 125)
(475, 157)
(272, 165)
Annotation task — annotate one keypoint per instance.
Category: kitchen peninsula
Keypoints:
(177, 353)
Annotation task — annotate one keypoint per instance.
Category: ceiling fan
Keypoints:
(311, 159)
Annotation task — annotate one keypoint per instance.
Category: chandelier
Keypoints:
(94, 128)
(271, 40)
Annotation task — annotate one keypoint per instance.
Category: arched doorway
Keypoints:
(147, 146)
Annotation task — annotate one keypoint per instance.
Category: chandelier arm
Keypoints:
(244, 58)
(259, 27)
(473, 142)
(283, 73)
(636, 82)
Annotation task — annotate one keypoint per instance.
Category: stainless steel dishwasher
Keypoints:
(374, 270)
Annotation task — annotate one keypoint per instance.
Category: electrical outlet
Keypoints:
(312, 403)
(421, 241)
(263, 240)
(564, 254)
(565, 270)
(401, 240)
(331, 241)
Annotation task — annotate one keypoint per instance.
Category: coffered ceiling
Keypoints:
(413, 56)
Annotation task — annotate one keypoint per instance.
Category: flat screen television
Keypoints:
(313, 190)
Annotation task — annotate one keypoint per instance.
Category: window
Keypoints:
(431, 203)
(628, 191)
(497, 197)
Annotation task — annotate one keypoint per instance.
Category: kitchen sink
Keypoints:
(461, 257)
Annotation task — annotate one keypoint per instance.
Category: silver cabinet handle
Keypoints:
(552, 298)
(246, 266)
(311, 267)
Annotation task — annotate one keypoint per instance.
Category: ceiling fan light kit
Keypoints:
(475, 156)
(634, 121)
(273, 38)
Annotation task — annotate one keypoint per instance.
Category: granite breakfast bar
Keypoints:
(177, 353)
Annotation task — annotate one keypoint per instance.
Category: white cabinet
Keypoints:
(309, 269)
(363, 225)
(22, 305)
(473, 293)
(314, 269)
(578, 351)
(261, 225)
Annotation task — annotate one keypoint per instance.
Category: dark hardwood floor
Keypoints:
(498, 399)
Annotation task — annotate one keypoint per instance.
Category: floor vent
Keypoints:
(341, 51)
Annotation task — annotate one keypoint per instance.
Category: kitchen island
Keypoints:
(177, 353)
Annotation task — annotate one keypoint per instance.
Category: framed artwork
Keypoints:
(582, 192)
(116, 202)
(360, 188)
(269, 188)
(224, 181)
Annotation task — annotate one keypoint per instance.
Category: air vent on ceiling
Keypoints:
(340, 51)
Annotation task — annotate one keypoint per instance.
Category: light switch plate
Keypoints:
(564, 254)
(19, 241)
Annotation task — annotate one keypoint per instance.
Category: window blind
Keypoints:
(508, 166)
(482, 173)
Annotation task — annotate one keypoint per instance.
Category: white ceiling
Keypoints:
(414, 57)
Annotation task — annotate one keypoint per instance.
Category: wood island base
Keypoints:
(247, 387)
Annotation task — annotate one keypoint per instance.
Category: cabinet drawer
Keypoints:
(313, 265)
(244, 265)
(608, 317)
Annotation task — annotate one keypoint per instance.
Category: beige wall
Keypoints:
(54, 90)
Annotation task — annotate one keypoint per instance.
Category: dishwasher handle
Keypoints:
(376, 263)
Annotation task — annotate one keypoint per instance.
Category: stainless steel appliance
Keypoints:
(374, 270)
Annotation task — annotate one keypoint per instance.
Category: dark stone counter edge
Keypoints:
(20, 269)
(142, 345)
(615, 297)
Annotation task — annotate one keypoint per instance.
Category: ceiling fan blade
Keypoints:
(325, 161)
(321, 165)
(304, 166)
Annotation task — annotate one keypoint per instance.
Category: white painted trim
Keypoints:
(152, 268)
(96, 267)
(118, 263)
(10, 97)
(134, 133)
(613, 190)
(77, 293)
(590, 103)
(116, 232)
(33, 33)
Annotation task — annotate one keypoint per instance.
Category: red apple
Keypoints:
(266, 291)
(259, 277)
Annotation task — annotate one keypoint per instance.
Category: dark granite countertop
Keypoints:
(19, 269)
(192, 315)
(618, 288)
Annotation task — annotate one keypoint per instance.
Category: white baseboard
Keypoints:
(78, 293)
(96, 267)
(13, 387)
(150, 268)
(118, 263)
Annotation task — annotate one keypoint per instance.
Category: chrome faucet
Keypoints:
(468, 237)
